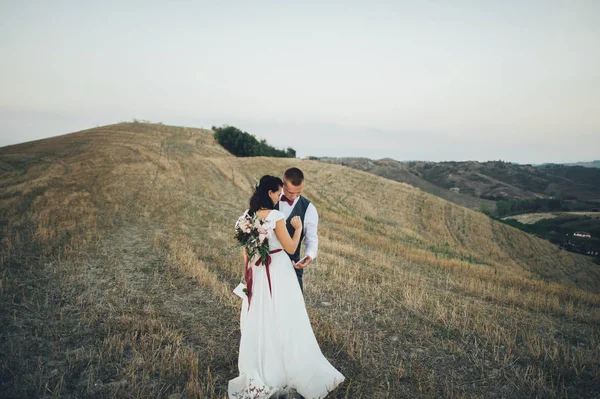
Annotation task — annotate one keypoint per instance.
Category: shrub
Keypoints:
(242, 144)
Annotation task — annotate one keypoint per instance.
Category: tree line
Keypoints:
(243, 144)
(517, 206)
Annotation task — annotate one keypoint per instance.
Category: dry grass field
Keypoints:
(117, 262)
(401, 172)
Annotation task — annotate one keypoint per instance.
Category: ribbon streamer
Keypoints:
(248, 275)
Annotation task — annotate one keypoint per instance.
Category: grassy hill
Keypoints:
(502, 180)
(482, 183)
(591, 164)
(118, 260)
(401, 172)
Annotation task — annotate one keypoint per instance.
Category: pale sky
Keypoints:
(422, 79)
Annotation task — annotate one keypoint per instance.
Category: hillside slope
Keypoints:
(400, 172)
(485, 182)
(120, 239)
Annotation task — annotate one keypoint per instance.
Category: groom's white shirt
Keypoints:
(311, 226)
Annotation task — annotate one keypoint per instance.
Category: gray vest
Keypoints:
(299, 210)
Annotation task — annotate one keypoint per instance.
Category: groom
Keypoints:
(293, 204)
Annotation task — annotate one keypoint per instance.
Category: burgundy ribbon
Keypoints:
(248, 275)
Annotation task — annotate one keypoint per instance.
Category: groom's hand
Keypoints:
(303, 263)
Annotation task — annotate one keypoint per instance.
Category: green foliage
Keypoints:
(291, 152)
(485, 209)
(515, 207)
(242, 144)
(560, 231)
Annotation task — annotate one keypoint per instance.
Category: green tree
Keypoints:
(243, 144)
(503, 208)
(291, 153)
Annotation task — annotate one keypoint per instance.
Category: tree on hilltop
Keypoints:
(243, 144)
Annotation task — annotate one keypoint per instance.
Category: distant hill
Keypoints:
(592, 164)
(117, 265)
(493, 180)
(401, 172)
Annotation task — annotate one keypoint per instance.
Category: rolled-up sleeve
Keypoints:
(311, 227)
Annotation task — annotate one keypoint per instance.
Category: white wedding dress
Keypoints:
(278, 348)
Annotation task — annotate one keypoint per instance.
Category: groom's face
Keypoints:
(292, 192)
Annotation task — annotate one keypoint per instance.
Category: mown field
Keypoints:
(117, 264)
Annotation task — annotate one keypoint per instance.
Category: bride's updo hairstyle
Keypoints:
(260, 198)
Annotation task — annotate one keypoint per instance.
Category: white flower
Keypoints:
(262, 236)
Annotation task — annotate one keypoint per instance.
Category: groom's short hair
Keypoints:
(294, 176)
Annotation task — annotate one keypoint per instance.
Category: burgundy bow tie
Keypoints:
(286, 199)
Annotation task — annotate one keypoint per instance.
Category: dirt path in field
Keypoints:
(113, 322)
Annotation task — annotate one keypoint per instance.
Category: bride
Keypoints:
(278, 349)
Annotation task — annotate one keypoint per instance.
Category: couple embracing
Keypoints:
(279, 354)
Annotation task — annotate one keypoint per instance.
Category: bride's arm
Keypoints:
(288, 243)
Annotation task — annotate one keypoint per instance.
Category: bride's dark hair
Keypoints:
(260, 198)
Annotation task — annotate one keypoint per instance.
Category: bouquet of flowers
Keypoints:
(252, 233)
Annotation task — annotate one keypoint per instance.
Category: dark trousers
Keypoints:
(299, 273)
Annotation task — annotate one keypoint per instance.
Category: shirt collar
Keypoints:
(293, 203)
